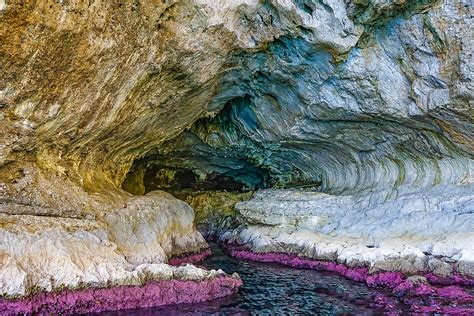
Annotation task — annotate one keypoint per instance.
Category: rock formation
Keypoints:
(352, 119)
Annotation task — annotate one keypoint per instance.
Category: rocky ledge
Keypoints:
(423, 292)
(380, 243)
(126, 253)
(407, 234)
(186, 284)
(352, 120)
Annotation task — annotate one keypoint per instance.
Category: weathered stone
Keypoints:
(368, 104)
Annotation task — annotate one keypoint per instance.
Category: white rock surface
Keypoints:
(410, 233)
(40, 253)
(151, 228)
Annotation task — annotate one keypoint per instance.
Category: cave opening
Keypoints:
(214, 154)
(175, 180)
(213, 165)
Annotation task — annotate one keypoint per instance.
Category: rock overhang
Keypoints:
(369, 102)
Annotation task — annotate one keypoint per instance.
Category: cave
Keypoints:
(195, 161)
(175, 180)
(236, 157)
(192, 161)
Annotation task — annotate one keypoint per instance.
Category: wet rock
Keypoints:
(439, 268)
(417, 279)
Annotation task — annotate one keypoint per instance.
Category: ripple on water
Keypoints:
(276, 289)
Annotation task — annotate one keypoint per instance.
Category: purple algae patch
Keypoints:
(156, 293)
(424, 298)
(192, 258)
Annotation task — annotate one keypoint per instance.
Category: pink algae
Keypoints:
(423, 298)
(122, 297)
(156, 293)
(454, 278)
(191, 258)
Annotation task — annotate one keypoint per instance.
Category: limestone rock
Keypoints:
(42, 254)
(388, 236)
(366, 103)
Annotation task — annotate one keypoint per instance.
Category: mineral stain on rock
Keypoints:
(335, 132)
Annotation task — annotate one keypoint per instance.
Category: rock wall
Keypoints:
(380, 131)
(423, 232)
(369, 103)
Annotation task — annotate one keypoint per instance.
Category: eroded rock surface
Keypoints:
(368, 104)
(409, 236)
(46, 252)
